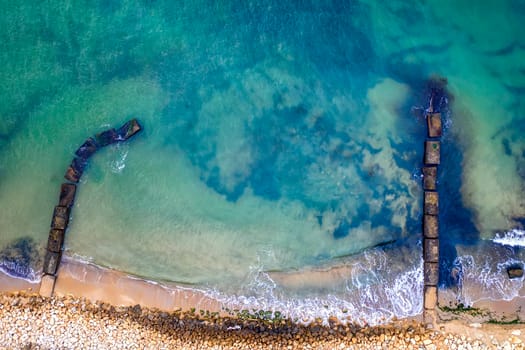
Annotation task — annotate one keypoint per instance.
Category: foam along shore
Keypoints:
(14, 284)
(89, 298)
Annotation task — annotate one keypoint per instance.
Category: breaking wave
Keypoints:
(513, 238)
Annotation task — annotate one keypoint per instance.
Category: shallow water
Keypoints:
(277, 138)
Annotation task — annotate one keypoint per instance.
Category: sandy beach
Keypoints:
(98, 308)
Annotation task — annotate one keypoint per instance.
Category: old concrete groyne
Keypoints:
(431, 208)
(62, 211)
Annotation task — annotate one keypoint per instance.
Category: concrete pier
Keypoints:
(62, 211)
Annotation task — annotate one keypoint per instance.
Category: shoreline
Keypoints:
(30, 321)
(119, 296)
(96, 283)
(82, 279)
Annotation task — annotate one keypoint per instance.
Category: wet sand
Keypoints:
(96, 283)
(11, 284)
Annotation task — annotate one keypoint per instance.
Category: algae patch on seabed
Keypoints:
(479, 315)
(21, 258)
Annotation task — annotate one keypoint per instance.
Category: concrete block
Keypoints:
(434, 124)
(55, 241)
(72, 175)
(60, 218)
(431, 203)
(432, 152)
(429, 178)
(431, 273)
(47, 285)
(106, 138)
(51, 262)
(75, 169)
(128, 129)
(430, 319)
(431, 250)
(430, 297)
(67, 195)
(430, 226)
(87, 149)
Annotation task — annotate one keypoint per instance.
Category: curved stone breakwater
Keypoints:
(62, 211)
(431, 200)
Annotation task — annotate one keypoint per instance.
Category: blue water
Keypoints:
(280, 140)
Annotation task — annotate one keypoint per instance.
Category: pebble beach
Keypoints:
(29, 321)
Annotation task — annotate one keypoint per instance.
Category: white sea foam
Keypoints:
(21, 272)
(484, 273)
(514, 238)
(118, 164)
(373, 294)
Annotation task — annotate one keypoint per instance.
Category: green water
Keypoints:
(277, 137)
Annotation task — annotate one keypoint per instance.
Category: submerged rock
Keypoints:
(515, 271)
(20, 258)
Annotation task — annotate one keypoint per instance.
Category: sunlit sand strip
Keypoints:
(96, 283)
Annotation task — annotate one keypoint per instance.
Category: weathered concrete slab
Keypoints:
(429, 178)
(431, 297)
(47, 285)
(60, 218)
(55, 241)
(87, 149)
(431, 273)
(432, 152)
(75, 170)
(51, 262)
(431, 319)
(430, 226)
(72, 175)
(67, 195)
(128, 129)
(434, 124)
(431, 250)
(106, 138)
(431, 203)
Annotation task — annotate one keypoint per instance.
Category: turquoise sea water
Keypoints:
(280, 143)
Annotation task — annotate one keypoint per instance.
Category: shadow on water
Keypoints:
(455, 220)
(456, 225)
